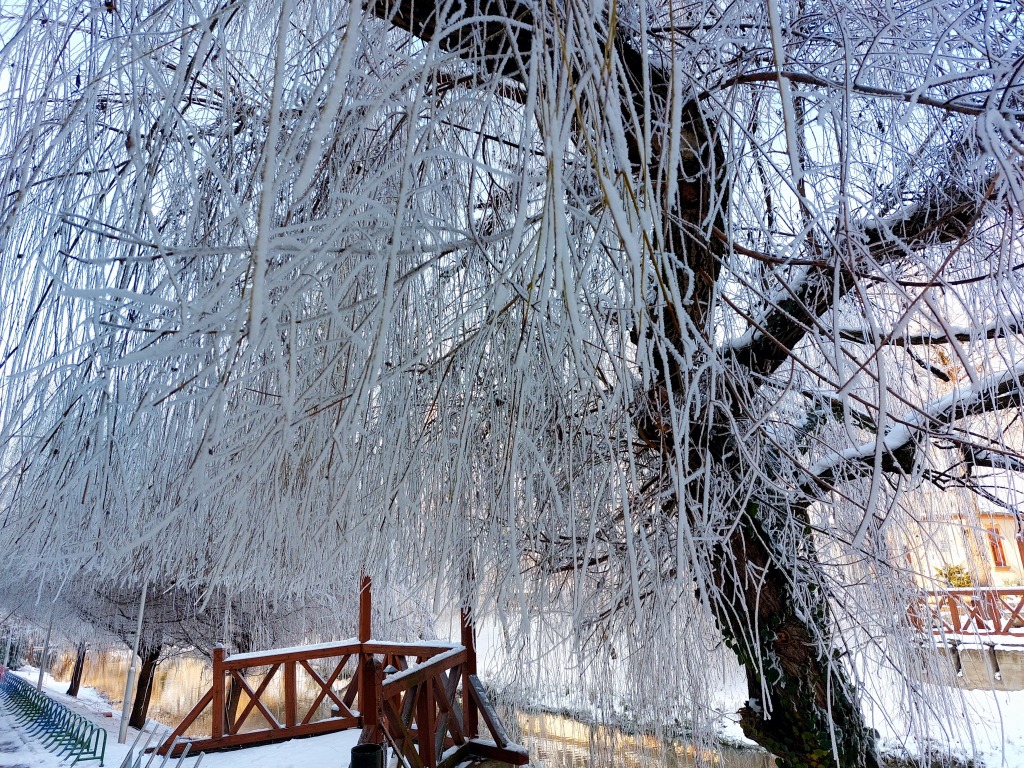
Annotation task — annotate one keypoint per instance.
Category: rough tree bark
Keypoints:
(76, 674)
(150, 655)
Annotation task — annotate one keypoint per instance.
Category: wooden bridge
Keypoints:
(404, 695)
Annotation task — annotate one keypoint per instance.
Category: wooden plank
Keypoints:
(253, 697)
(452, 759)
(217, 729)
(269, 737)
(1016, 614)
(425, 722)
(291, 703)
(476, 689)
(254, 700)
(402, 680)
(423, 650)
(408, 703)
(325, 689)
(512, 753)
(978, 591)
(401, 736)
(444, 716)
(324, 651)
(452, 720)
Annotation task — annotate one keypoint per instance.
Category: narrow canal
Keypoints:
(554, 741)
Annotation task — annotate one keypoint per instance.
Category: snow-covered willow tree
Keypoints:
(648, 315)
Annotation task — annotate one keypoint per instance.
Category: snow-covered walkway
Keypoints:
(19, 751)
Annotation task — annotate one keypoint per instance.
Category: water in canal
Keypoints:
(554, 741)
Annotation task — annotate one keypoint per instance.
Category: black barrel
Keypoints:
(367, 756)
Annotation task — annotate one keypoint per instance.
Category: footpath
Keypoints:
(19, 750)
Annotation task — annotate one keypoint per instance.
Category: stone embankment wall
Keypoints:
(986, 666)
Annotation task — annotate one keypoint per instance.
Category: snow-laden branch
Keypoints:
(899, 445)
(992, 459)
(957, 103)
(495, 34)
(1007, 325)
(770, 340)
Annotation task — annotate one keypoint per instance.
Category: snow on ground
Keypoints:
(996, 736)
(19, 751)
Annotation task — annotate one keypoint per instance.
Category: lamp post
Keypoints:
(46, 651)
(122, 733)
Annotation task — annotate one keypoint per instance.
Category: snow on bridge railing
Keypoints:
(972, 610)
(402, 694)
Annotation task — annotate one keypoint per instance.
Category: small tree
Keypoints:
(956, 576)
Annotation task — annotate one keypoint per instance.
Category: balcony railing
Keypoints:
(971, 611)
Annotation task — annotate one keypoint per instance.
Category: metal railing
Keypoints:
(57, 728)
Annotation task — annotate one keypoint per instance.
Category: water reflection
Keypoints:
(561, 742)
(554, 741)
(180, 681)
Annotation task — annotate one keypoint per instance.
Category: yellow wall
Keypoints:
(954, 541)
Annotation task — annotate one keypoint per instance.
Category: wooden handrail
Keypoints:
(281, 655)
(402, 681)
(416, 708)
(971, 610)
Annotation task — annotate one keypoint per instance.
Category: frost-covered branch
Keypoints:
(898, 448)
(1007, 325)
(771, 338)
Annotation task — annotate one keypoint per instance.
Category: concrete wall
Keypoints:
(986, 667)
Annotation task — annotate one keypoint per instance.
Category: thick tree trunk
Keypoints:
(150, 655)
(76, 674)
(232, 700)
(809, 716)
(801, 705)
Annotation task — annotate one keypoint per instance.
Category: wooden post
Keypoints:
(369, 702)
(369, 681)
(954, 614)
(993, 608)
(425, 722)
(469, 711)
(365, 606)
(363, 634)
(217, 730)
(291, 710)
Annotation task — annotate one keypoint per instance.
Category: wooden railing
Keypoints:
(973, 610)
(405, 695)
